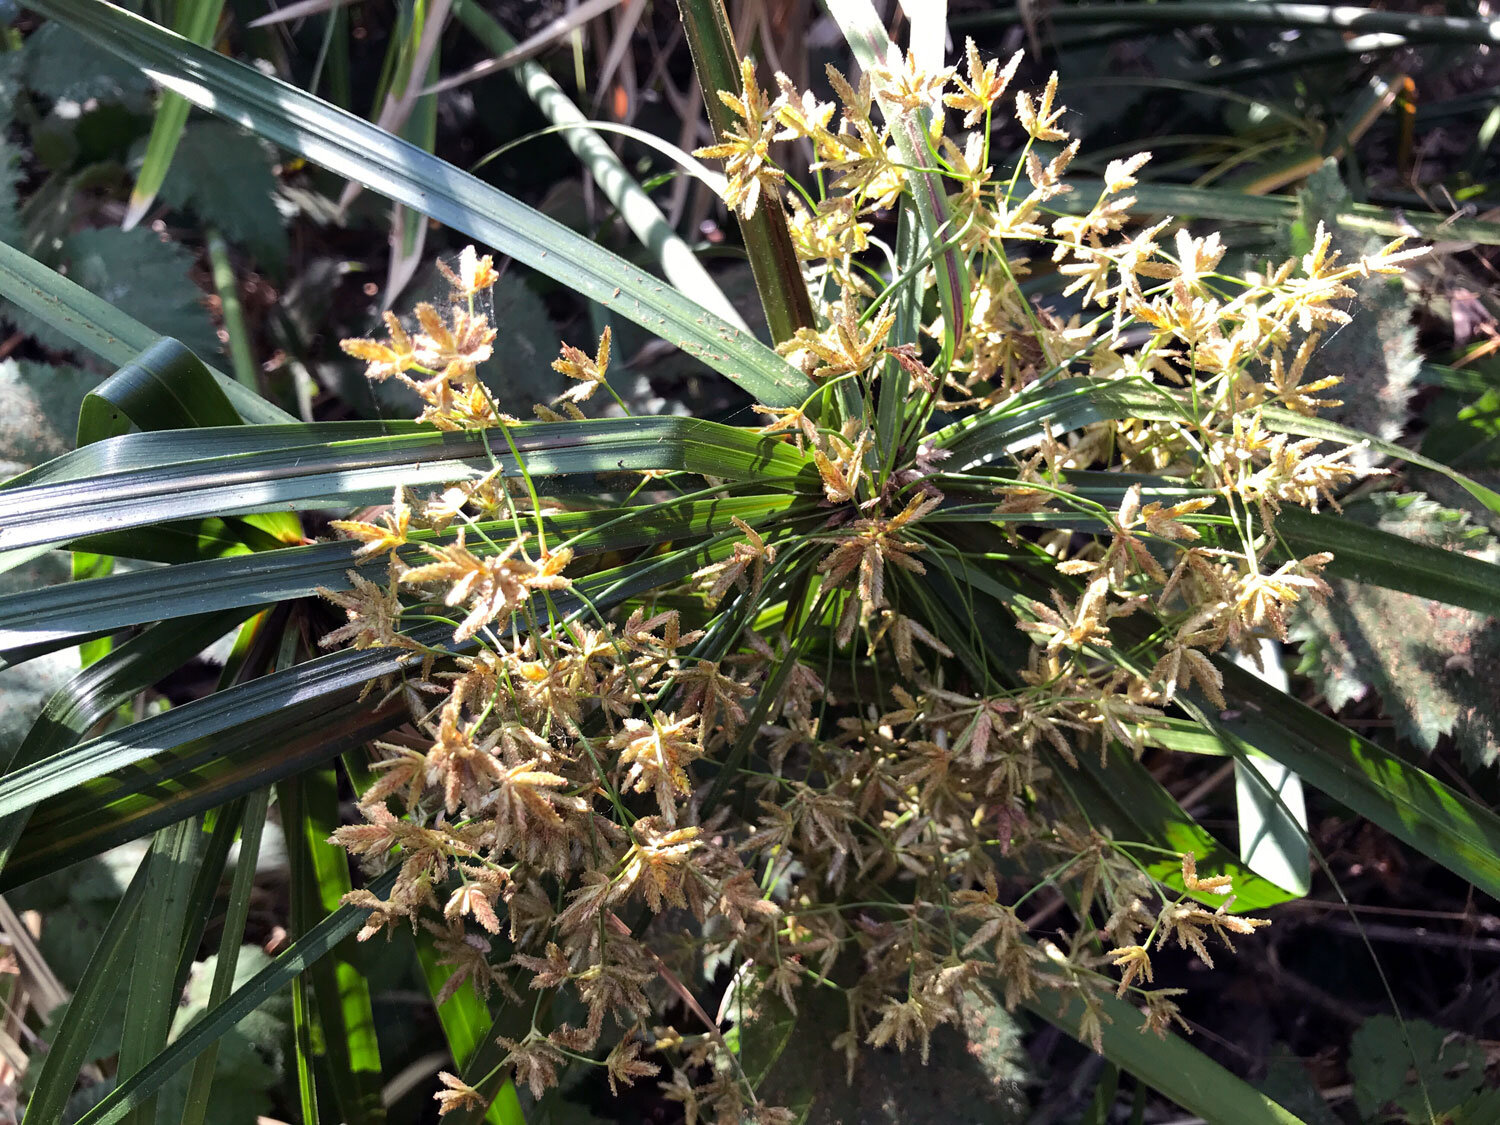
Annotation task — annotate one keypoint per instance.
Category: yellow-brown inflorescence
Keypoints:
(547, 803)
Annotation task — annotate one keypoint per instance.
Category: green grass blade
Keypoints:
(354, 148)
(100, 329)
(768, 242)
(1135, 806)
(183, 782)
(200, 1083)
(100, 688)
(320, 879)
(678, 263)
(153, 974)
(246, 370)
(1170, 1065)
(1069, 403)
(1304, 426)
(302, 1051)
(1379, 558)
(288, 965)
(196, 20)
(467, 1025)
(1270, 805)
(1228, 205)
(272, 712)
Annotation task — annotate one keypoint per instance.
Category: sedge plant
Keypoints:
(807, 754)
(826, 705)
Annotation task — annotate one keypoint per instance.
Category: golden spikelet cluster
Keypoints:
(800, 756)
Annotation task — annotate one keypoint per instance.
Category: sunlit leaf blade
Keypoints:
(37, 621)
(271, 713)
(153, 989)
(101, 687)
(1070, 403)
(237, 910)
(74, 1035)
(196, 20)
(102, 814)
(678, 263)
(1270, 804)
(354, 148)
(1362, 553)
(1124, 796)
(178, 475)
(768, 242)
(866, 35)
(1407, 802)
(320, 879)
(1228, 205)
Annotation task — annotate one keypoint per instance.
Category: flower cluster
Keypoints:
(805, 751)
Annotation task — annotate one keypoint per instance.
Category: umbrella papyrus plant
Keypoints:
(826, 696)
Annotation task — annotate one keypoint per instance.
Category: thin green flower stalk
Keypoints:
(804, 756)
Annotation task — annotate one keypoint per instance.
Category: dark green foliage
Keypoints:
(250, 1054)
(61, 64)
(1414, 1068)
(40, 404)
(145, 278)
(223, 176)
(1288, 1081)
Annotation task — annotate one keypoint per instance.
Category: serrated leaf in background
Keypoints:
(223, 176)
(1384, 1053)
(1376, 355)
(1290, 1083)
(63, 65)
(250, 1054)
(10, 155)
(139, 274)
(1434, 666)
(40, 405)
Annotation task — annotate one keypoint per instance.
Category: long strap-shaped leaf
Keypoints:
(72, 1038)
(354, 148)
(1407, 802)
(1065, 404)
(107, 812)
(1169, 1064)
(34, 622)
(1230, 205)
(866, 35)
(101, 687)
(636, 207)
(171, 476)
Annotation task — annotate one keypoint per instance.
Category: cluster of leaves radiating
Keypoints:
(588, 806)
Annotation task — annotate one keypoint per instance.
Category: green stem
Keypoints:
(768, 242)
